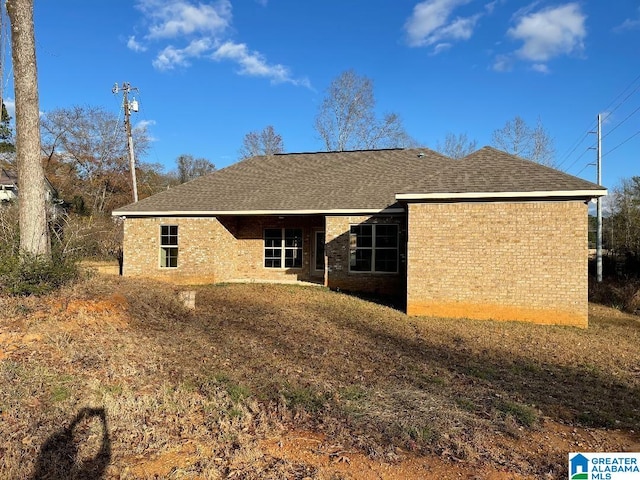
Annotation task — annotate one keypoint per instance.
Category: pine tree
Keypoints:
(6, 132)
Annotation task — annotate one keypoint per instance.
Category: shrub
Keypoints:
(29, 275)
(622, 294)
(523, 414)
(24, 274)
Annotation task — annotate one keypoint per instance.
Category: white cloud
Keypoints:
(431, 24)
(175, 19)
(460, 28)
(490, 7)
(254, 64)
(540, 67)
(201, 30)
(550, 32)
(134, 45)
(142, 126)
(170, 56)
(145, 123)
(441, 47)
(502, 63)
(629, 24)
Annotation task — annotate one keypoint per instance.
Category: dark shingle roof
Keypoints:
(490, 170)
(359, 180)
(7, 177)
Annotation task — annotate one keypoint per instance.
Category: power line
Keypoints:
(625, 98)
(621, 122)
(577, 159)
(582, 137)
(577, 144)
(583, 168)
(622, 143)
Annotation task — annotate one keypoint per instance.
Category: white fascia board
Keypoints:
(214, 213)
(481, 195)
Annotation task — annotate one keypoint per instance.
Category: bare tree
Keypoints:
(346, 119)
(457, 146)
(624, 219)
(543, 150)
(34, 231)
(189, 168)
(87, 146)
(265, 142)
(518, 138)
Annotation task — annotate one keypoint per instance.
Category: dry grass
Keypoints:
(251, 360)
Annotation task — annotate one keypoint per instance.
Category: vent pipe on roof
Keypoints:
(421, 154)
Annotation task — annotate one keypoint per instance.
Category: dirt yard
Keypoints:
(117, 379)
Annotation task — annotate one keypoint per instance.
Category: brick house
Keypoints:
(487, 236)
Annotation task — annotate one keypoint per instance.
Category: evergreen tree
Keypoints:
(6, 133)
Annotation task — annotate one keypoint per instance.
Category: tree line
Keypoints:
(84, 149)
(347, 120)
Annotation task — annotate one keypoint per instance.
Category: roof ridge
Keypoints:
(343, 151)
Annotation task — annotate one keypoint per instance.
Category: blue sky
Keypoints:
(209, 72)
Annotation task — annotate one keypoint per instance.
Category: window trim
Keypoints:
(373, 249)
(283, 248)
(165, 248)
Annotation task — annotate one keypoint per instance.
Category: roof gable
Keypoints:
(489, 170)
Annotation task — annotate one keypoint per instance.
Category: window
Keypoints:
(373, 248)
(168, 246)
(283, 243)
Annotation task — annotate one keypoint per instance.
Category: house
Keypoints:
(8, 186)
(487, 236)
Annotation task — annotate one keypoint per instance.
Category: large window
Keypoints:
(283, 247)
(168, 246)
(373, 248)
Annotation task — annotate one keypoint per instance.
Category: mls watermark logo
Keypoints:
(604, 466)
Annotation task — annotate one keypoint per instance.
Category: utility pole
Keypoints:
(128, 108)
(599, 206)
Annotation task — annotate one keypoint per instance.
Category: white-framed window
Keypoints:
(168, 246)
(373, 248)
(283, 248)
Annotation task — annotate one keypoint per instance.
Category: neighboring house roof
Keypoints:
(10, 179)
(358, 181)
(8, 186)
(7, 178)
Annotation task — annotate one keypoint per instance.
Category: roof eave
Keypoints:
(543, 194)
(215, 213)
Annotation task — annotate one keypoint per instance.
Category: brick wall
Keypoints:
(338, 253)
(243, 250)
(141, 249)
(504, 261)
(213, 249)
